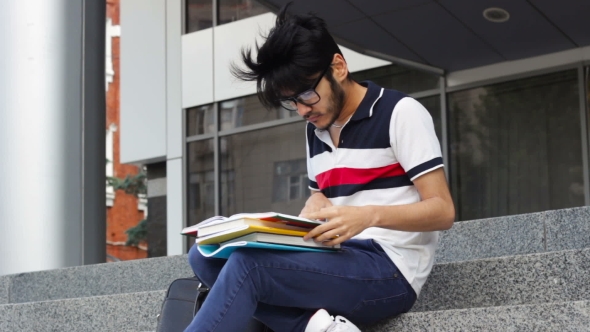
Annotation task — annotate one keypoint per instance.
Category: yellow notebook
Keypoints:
(243, 230)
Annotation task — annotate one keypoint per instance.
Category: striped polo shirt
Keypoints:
(387, 143)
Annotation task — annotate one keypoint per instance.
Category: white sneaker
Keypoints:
(321, 321)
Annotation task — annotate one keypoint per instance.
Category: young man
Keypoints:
(376, 176)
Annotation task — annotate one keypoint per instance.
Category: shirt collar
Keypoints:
(365, 108)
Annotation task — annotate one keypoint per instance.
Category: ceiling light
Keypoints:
(496, 15)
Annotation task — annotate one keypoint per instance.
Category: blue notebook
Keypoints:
(217, 251)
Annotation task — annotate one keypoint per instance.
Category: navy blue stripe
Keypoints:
(316, 146)
(314, 185)
(424, 167)
(382, 183)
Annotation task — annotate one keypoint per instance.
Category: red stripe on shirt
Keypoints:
(344, 175)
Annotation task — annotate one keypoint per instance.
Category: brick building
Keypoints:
(123, 210)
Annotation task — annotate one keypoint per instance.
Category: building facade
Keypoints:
(124, 211)
(514, 133)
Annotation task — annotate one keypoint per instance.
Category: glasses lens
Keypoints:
(289, 105)
(308, 97)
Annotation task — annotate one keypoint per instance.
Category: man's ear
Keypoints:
(339, 68)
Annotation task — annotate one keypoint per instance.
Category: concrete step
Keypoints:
(514, 280)
(94, 280)
(122, 312)
(548, 231)
(550, 317)
(516, 235)
(138, 311)
(526, 279)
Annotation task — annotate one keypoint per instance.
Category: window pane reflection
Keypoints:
(515, 147)
(233, 10)
(248, 111)
(264, 170)
(200, 120)
(199, 15)
(201, 181)
(406, 80)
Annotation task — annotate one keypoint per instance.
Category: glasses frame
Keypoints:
(296, 99)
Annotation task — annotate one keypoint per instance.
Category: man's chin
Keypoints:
(321, 127)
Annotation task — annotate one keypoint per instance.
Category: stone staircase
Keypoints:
(520, 273)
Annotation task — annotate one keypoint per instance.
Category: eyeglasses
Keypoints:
(308, 97)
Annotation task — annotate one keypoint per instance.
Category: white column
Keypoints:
(174, 133)
(51, 138)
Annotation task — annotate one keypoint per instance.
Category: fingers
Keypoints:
(330, 235)
(304, 211)
(323, 213)
(309, 210)
(336, 241)
(317, 231)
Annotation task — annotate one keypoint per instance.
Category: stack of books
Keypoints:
(220, 236)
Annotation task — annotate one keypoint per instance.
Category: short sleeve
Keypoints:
(413, 138)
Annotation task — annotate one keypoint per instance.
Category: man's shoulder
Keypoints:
(390, 98)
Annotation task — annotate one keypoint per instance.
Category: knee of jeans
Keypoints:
(243, 259)
(194, 257)
(199, 266)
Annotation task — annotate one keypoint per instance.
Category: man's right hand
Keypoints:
(315, 202)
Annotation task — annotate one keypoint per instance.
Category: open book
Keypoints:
(266, 219)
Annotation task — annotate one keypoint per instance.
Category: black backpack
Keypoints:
(183, 299)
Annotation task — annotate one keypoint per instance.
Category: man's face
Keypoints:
(328, 109)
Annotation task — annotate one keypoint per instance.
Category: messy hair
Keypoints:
(296, 48)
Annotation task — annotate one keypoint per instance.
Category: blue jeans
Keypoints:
(283, 289)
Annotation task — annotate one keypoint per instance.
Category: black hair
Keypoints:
(296, 49)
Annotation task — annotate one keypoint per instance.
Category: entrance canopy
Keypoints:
(452, 35)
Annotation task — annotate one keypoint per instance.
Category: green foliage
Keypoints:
(132, 185)
(136, 234)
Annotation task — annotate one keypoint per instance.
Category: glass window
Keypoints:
(266, 170)
(201, 181)
(290, 182)
(199, 15)
(248, 111)
(404, 79)
(233, 10)
(200, 120)
(515, 147)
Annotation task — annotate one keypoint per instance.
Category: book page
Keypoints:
(267, 216)
(210, 221)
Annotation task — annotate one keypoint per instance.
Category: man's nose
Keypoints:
(302, 109)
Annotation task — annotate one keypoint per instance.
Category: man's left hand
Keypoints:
(343, 223)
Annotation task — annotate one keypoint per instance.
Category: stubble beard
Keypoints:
(336, 103)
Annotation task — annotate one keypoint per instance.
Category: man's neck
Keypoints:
(354, 93)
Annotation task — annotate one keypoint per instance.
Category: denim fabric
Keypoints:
(283, 289)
